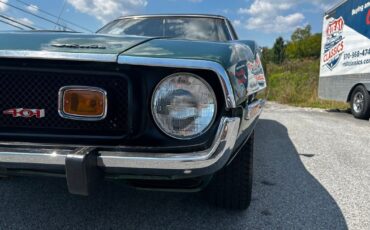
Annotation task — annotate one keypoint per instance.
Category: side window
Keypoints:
(232, 30)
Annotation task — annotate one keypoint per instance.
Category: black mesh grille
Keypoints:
(39, 90)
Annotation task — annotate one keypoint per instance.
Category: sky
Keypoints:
(260, 20)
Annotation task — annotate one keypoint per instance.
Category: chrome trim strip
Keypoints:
(33, 156)
(222, 145)
(220, 150)
(58, 55)
(65, 115)
(187, 64)
(227, 23)
(173, 15)
(255, 109)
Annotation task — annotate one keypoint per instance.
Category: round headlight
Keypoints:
(184, 105)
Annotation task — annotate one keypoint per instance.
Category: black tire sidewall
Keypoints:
(365, 113)
(231, 187)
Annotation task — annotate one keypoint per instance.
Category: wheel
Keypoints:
(360, 103)
(231, 188)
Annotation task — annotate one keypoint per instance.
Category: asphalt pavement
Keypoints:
(311, 171)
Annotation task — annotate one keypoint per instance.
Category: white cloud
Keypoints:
(195, 1)
(106, 10)
(266, 6)
(281, 23)
(3, 6)
(323, 4)
(33, 8)
(237, 23)
(278, 15)
(271, 16)
(25, 21)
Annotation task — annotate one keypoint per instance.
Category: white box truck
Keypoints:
(345, 56)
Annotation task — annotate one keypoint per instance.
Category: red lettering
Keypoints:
(40, 113)
(333, 52)
(335, 26)
(25, 113)
(368, 18)
(12, 112)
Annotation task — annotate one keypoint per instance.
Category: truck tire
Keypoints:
(360, 102)
(231, 188)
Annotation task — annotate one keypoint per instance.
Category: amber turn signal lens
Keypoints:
(84, 103)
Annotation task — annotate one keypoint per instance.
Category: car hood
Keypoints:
(107, 48)
(27, 44)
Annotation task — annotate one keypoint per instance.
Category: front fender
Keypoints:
(246, 72)
(243, 68)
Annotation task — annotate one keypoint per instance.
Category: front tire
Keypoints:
(360, 103)
(231, 188)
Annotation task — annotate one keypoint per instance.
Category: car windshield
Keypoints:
(192, 28)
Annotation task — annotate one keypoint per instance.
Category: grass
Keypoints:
(296, 83)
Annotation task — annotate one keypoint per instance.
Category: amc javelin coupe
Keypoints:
(166, 102)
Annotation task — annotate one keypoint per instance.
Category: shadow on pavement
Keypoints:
(348, 111)
(285, 196)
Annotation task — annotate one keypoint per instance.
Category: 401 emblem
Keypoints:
(25, 113)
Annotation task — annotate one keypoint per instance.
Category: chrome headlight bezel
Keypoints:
(209, 88)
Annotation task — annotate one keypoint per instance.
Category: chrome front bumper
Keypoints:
(155, 164)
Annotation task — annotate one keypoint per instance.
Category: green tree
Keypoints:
(313, 46)
(267, 57)
(291, 50)
(301, 33)
(303, 44)
(279, 51)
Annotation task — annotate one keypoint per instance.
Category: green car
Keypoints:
(167, 102)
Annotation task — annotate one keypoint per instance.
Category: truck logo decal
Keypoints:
(25, 113)
(256, 71)
(241, 73)
(334, 45)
